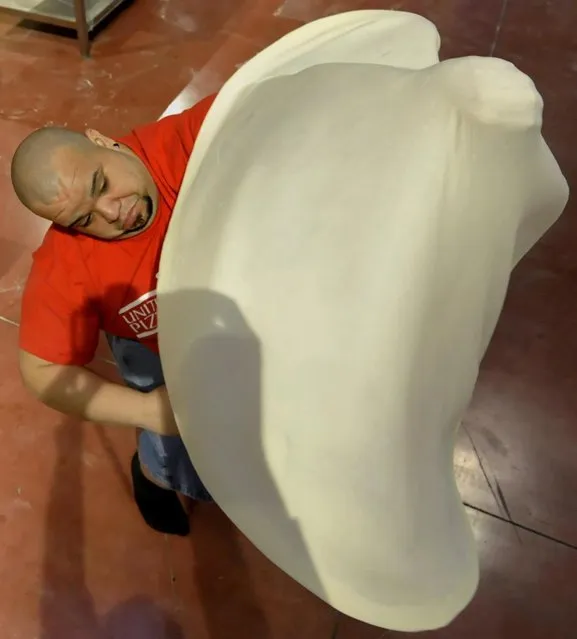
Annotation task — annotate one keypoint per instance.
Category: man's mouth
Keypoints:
(132, 218)
(138, 216)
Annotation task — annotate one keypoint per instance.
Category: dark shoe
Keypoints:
(160, 507)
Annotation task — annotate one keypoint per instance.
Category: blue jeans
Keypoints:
(163, 458)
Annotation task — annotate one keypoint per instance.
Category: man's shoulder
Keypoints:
(165, 146)
(181, 123)
(179, 111)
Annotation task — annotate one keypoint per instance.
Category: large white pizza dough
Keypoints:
(332, 275)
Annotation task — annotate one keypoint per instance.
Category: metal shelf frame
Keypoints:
(81, 16)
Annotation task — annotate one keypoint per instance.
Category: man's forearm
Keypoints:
(75, 390)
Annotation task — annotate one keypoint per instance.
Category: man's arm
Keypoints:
(75, 390)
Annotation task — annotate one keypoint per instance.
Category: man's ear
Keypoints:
(100, 140)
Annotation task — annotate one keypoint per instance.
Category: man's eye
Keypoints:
(104, 186)
(86, 221)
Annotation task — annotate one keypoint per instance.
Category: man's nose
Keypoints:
(109, 209)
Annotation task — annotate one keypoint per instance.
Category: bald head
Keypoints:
(33, 172)
(85, 182)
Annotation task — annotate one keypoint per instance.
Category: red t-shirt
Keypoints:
(80, 285)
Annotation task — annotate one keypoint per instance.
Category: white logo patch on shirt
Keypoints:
(141, 315)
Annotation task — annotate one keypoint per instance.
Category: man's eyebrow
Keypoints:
(94, 183)
(92, 192)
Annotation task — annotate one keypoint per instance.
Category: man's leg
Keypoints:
(161, 467)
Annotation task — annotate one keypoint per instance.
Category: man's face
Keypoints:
(103, 190)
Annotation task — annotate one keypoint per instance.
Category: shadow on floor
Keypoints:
(66, 606)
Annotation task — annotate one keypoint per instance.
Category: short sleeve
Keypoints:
(60, 321)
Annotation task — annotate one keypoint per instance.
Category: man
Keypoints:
(110, 202)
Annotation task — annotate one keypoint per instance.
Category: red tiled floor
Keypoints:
(87, 567)
(20, 232)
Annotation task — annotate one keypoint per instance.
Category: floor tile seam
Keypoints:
(9, 321)
(499, 27)
(519, 526)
